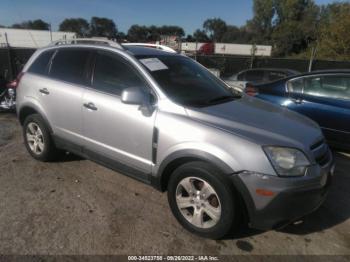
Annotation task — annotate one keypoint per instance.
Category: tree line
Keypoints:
(295, 28)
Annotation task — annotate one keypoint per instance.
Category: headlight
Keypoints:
(287, 161)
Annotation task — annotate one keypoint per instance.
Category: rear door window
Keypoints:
(113, 74)
(70, 65)
(41, 64)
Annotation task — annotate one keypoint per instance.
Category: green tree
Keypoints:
(121, 37)
(216, 28)
(295, 26)
(103, 27)
(152, 33)
(189, 38)
(200, 36)
(231, 35)
(77, 25)
(171, 30)
(334, 40)
(37, 24)
(137, 33)
(262, 23)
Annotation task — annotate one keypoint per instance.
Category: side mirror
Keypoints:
(134, 96)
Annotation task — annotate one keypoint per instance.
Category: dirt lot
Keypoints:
(78, 207)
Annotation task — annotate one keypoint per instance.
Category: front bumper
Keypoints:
(292, 198)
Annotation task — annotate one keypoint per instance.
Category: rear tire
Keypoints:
(38, 140)
(203, 200)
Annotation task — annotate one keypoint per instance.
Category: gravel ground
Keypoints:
(78, 207)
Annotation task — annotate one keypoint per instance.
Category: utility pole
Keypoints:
(50, 32)
(312, 57)
(253, 56)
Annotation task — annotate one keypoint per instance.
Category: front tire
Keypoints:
(38, 140)
(202, 200)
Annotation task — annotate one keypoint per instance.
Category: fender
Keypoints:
(177, 157)
(32, 106)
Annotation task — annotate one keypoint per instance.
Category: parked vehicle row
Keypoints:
(165, 120)
(259, 76)
(323, 96)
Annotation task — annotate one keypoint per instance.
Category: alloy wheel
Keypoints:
(198, 202)
(35, 138)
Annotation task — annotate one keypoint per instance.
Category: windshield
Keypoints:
(186, 82)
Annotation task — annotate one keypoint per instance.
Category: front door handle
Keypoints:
(44, 91)
(90, 106)
(298, 101)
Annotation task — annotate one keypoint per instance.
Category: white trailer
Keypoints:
(235, 49)
(23, 38)
(190, 47)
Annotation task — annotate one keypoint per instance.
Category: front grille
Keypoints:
(317, 144)
(321, 153)
(324, 159)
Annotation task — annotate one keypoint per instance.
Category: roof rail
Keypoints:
(161, 47)
(93, 41)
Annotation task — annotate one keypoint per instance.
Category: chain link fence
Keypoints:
(229, 65)
(13, 59)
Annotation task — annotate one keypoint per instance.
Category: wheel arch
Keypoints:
(174, 160)
(27, 110)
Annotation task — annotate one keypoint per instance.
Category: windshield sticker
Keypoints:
(153, 64)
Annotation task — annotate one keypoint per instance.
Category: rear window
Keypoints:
(40, 65)
(241, 77)
(254, 75)
(275, 75)
(70, 65)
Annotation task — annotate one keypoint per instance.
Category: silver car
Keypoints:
(165, 120)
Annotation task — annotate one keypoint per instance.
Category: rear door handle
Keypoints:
(90, 106)
(44, 91)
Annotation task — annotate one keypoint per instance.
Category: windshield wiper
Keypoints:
(217, 100)
(222, 99)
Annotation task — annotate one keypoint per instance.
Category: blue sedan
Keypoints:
(323, 96)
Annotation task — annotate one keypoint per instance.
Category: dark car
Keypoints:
(263, 75)
(323, 96)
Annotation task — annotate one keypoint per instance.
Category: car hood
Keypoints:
(260, 121)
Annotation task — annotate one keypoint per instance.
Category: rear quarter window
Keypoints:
(41, 64)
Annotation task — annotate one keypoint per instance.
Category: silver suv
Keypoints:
(164, 119)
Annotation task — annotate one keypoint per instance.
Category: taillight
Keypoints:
(14, 84)
(250, 90)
